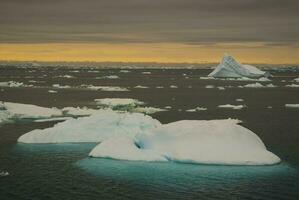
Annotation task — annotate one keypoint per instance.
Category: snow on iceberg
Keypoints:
(95, 128)
(230, 68)
(126, 149)
(191, 141)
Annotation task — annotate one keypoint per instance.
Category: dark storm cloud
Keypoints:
(120, 21)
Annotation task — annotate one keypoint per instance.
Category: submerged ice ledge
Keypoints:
(135, 136)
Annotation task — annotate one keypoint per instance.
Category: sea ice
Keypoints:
(234, 107)
(293, 85)
(196, 109)
(12, 84)
(292, 105)
(141, 86)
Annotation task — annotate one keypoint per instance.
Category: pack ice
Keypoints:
(230, 68)
(135, 136)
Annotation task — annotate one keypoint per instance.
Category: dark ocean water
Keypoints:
(63, 171)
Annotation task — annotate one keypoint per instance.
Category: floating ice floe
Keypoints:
(159, 87)
(141, 86)
(17, 110)
(12, 84)
(293, 85)
(148, 110)
(221, 88)
(126, 104)
(209, 86)
(234, 107)
(196, 109)
(124, 71)
(52, 91)
(61, 86)
(109, 77)
(296, 80)
(4, 173)
(292, 105)
(230, 68)
(240, 100)
(118, 103)
(257, 85)
(106, 88)
(146, 72)
(173, 86)
(65, 76)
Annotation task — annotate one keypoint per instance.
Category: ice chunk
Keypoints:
(141, 86)
(292, 105)
(293, 85)
(11, 84)
(209, 86)
(296, 80)
(230, 68)
(148, 110)
(106, 88)
(95, 128)
(28, 111)
(4, 173)
(61, 86)
(196, 109)
(115, 102)
(52, 91)
(146, 72)
(234, 107)
(109, 77)
(173, 86)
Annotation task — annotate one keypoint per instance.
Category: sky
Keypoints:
(254, 31)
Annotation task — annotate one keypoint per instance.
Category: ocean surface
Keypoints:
(64, 171)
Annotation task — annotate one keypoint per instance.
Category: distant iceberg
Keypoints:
(230, 68)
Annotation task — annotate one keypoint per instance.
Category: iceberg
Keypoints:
(95, 128)
(230, 68)
(134, 136)
(191, 141)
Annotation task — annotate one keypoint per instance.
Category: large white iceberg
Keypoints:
(230, 68)
(134, 136)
